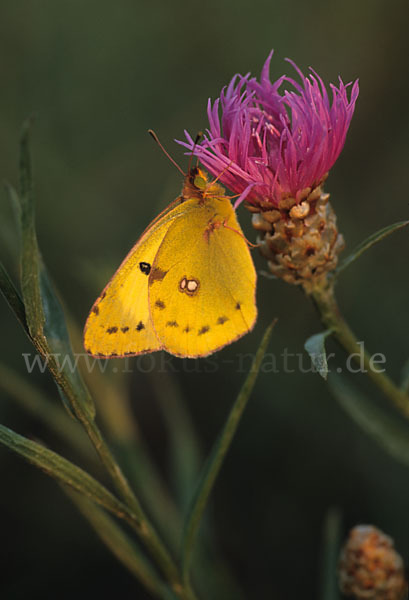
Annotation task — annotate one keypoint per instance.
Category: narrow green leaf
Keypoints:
(30, 275)
(330, 547)
(368, 243)
(12, 297)
(63, 471)
(14, 236)
(121, 545)
(69, 474)
(404, 386)
(217, 455)
(392, 435)
(62, 361)
(14, 200)
(45, 316)
(315, 346)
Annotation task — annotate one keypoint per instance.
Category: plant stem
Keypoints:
(330, 547)
(326, 304)
(119, 544)
(140, 523)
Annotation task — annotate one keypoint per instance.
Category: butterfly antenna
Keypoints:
(166, 153)
(198, 137)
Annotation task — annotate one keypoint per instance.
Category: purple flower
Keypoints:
(267, 144)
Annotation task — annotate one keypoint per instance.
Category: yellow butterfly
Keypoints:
(187, 286)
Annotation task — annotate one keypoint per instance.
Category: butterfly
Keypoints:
(187, 286)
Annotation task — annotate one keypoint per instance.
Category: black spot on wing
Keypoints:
(172, 324)
(124, 329)
(222, 320)
(95, 310)
(145, 268)
(112, 329)
(203, 330)
(238, 306)
(159, 304)
(140, 326)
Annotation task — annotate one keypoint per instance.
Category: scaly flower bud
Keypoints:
(370, 568)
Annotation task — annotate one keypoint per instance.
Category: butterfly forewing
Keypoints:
(119, 323)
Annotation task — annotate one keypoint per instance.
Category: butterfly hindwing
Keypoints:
(202, 282)
(119, 323)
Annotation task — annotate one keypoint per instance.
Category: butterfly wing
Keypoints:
(119, 323)
(202, 282)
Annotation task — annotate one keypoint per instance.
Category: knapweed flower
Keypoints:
(269, 144)
(273, 147)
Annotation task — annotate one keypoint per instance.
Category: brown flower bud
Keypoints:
(370, 568)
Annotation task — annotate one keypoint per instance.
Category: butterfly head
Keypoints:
(197, 185)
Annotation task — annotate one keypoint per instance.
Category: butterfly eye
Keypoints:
(145, 268)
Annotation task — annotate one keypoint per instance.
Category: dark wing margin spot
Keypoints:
(172, 324)
(156, 275)
(112, 329)
(222, 320)
(159, 304)
(140, 326)
(145, 268)
(95, 310)
(186, 329)
(203, 330)
(124, 329)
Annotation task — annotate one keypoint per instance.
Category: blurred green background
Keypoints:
(98, 75)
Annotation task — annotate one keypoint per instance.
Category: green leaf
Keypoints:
(368, 243)
(217, 455)
(63, 471)
(15, 202)
(45, 317)
(62, 361)
(12, 297)
(121, 545)
(330, 547)
(315, 346)
(390, 433)
(30, 276)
